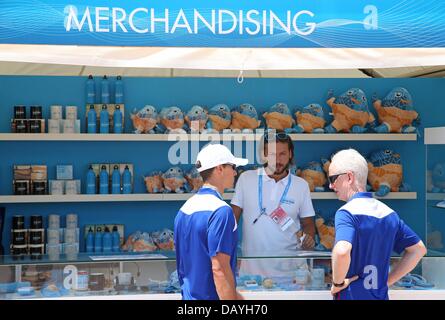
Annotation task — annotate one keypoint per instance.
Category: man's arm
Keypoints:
(237, 211)
(224, 278)
(410, 259)
(341, 260)
(308, 226)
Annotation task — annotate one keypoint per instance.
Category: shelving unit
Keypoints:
(203, 137)
(161, 197)
(435, 196)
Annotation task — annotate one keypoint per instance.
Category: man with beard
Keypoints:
(278, 216)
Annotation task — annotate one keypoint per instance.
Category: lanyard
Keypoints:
(260, 195)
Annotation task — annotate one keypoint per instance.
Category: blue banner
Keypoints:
(225, 23)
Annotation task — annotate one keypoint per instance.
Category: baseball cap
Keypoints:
(214, 155)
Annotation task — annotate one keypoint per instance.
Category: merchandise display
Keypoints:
(174, 181)
(196, 119)
(30, 180)
(310, 119)
(145, 120)
(105, 118)
(244, 118)
(172, 120)
(148, 242)
(109, 178)
(279, 118)
(220, 118)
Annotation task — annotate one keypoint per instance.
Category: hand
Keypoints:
(308, 243)
(335, 290)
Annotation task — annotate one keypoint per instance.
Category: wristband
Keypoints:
(338, 285)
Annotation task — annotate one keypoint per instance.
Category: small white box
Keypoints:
(56, 112)
(72, 187)
(71, 235)
(71, 112)
(56, 187)
(53, 126)
(64, 172)
(68, 126)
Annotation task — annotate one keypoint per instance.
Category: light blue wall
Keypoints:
(185, 92)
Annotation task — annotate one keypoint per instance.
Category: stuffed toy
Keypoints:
(145, 120)
(438, 177)
(244, 118)
(434, 238)
(350, 111)
(396, 112)
(385, 172)
(174, 181)
(279, 118)
(219, 118)
(154, 183)
(194, 179)
(196, 119)
(139, 242)
(172, 120)
(314, 176)
(310, 119)
(164, 239)
(326, 233)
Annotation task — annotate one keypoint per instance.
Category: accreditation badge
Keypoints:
(281, 218)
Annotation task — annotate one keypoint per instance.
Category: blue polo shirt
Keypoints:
(204, 226)
(374, 230)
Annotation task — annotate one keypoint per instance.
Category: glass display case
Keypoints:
(153, 276)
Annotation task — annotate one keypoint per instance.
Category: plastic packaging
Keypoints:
(104, 120)
(90, 90)
(119, 90)
(105, 90)
(126, 181)
(91, 181)
(92, 120)
(116, 181)
(117, 119)
(103, 180)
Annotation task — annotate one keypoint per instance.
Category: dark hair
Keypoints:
(279, 137)
(205, 175)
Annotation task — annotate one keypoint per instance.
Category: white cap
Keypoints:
(213, 155)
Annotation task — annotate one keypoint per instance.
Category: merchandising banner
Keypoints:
(225, 23)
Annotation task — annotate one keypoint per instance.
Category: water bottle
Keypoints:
(98, 240)
(106, 241)
(103, 180)
(104, 120)
(90, 241)
(91, 90)
(119, 90)
(117, 119)
(92, 120)
(116, 181)
(116, 240)
(91, 181)
(126, 181)
(105, 90)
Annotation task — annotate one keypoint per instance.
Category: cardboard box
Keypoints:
(22, 172)
(39, 172)
(64, 172)
(110, 108)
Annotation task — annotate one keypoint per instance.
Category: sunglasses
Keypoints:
(334, 177)
(230, 164)
(280, 136)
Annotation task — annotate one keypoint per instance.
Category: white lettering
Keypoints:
(104, 18)
(371, 21)
(176, 25)
(220, 20)
(70, 281)
(255, 22)
(72, 17)
(311, 25)
(117, 20)
(273, 17)
(154, 19)
(197, 15)
(130, 20)
(370, 281)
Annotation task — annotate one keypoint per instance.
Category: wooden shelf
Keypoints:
(202, 137)
(161, 197)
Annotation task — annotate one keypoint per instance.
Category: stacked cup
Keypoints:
(71, 235)
(53, 234)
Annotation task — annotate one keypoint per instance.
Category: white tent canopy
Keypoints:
(221, 62)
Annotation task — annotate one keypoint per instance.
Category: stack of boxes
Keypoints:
(64, 183)
(27, 241)
(56, 124)
(30, 180)
(22, 124)
(62, 240)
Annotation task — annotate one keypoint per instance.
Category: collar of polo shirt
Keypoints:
(267, 178)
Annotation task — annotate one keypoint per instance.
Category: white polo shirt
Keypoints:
(265, 238)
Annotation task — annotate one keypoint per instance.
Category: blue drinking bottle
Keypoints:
(126, 181)
(105, 90)
(103, 180)
(117, 119)
(116, 181)
(91, 181)
(119, 90)
(90, 90)
(104, 120)
(92, 120)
